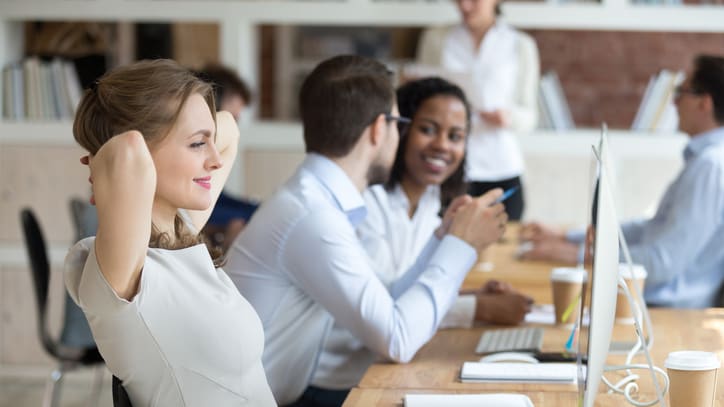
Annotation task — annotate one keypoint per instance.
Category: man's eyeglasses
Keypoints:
(681, 90)
(398, 119)
(402, 122)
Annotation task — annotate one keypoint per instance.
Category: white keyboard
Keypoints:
(518, 372)
(528, 339)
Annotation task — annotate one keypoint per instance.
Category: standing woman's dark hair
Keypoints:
(410, 97)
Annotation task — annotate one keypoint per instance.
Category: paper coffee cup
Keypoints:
(566, 284)
(692, 377)
(633, 275)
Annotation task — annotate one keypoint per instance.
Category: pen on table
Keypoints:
(507, 194)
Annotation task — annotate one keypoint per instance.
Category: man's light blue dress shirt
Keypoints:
(301, 265)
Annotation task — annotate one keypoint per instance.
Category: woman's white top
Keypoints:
(394, 242)
(187, 338)
(505, 71)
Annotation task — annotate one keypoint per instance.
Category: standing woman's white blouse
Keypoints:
(187, 338)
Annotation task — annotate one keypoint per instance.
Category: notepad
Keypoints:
(564, 373)
(467, 400)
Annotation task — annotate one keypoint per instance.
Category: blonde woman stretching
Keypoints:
(169, 323)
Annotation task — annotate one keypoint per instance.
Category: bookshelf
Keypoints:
(238, 19)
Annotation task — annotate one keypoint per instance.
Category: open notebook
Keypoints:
(467, 400)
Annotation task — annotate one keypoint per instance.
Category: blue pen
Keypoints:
(507, 194)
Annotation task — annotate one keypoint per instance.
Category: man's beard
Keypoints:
(377, 174)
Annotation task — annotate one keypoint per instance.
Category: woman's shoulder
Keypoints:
(74, 264)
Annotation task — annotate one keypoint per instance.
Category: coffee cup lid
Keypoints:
(569, 274)
(692, 360)
(639, 272)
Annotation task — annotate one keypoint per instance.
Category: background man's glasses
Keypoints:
(681, 90)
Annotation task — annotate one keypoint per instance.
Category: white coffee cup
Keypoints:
(636, 274)
(692, 377)
(567, 283)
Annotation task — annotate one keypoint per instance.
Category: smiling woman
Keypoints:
(157, 155)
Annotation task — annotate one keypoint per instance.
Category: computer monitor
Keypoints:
(601, 289)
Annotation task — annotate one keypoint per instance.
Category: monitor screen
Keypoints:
(599, 293)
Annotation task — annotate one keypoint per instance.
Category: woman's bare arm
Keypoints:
(124, 184)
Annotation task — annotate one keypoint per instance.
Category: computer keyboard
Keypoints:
(528, 339)
(518, 372)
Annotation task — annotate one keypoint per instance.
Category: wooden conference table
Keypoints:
(436, 367)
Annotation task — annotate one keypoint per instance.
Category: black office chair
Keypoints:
(69, 357)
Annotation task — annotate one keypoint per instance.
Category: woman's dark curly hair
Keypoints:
(410, 97)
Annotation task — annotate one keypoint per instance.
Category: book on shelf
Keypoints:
(40, 90)
(656, 112)
(553, 109)
(13, 101)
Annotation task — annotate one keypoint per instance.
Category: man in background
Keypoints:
(681, 246)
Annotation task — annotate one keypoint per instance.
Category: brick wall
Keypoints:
(604, 73)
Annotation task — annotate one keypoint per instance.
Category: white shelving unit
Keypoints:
(238, 21)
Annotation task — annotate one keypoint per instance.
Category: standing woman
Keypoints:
(504, 66)
(168, 322)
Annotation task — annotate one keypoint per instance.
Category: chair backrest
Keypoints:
(76, 332)
(120, 397)
(40, 270)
